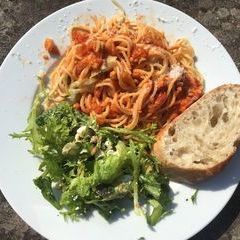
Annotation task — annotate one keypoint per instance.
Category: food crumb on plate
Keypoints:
(163, 20)
(51, 47)
(214, 47)
(45, 57)
(194, 30)
(135, 4)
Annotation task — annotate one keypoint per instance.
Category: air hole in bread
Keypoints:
(198, 139)
(213, 121)
(171, 131)
(204, 161)
(225, 117)
(196, 162)
(219, 98)
(216, 113)
(174, 139)
(225, 101)
(195, 114)
(215, 144)
(197, 122)
(182, 150)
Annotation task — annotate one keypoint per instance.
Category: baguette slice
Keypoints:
(202, 140)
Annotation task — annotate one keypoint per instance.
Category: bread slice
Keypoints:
(202, 140)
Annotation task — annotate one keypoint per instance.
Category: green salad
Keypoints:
(86, 166)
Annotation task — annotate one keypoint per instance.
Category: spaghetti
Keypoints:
(125, 73)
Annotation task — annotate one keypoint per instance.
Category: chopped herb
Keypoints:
(194, 197)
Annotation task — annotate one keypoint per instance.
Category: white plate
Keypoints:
(18, 168)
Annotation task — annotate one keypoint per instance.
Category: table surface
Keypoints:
(221, 17)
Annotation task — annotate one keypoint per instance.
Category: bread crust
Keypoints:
(190, 174)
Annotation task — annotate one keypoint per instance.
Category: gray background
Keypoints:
(221, 17)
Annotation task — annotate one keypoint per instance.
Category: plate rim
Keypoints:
(3, 187)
